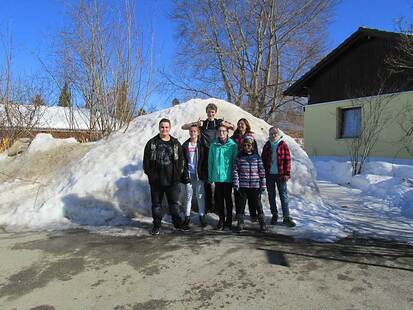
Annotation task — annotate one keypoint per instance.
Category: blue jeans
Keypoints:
(282, 191)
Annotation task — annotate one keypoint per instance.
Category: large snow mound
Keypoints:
(107, 186)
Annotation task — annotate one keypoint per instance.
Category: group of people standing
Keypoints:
(208, 157)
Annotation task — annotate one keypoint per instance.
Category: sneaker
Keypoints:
(185, 224)
(289, 222)
(263, 227)
(220, 225)
(202, 221)
(240, 226)
(274, 219)
(155, 231)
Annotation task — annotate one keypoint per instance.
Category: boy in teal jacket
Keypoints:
(222, 154)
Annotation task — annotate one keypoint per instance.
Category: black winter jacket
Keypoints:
(202, 161)
(150, 166)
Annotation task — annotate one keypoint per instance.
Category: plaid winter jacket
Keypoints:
(283, 159)
(248, 172)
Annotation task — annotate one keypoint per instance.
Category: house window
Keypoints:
(350, 123)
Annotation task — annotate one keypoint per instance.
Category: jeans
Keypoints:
(196, 187)
(172, 195)
(223, 195)
(282, 191)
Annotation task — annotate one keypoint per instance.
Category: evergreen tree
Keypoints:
(65, 98)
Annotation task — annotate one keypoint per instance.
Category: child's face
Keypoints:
(222, 133)
(193, 132)
(211, 113)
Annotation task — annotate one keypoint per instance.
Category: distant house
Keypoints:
(61, 122)
(339, 87)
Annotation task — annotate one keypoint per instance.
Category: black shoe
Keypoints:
(220, 225)
(228, 224)
(202, 221)
(289, 222)
(274, 219)
(155, 231)
(253, 218)
(263, 227)
(185, 224)
(240, 226)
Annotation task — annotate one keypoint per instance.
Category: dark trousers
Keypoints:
(223, 197)
(172, 195)
(209, 207)
(253, 196)
(252, 208)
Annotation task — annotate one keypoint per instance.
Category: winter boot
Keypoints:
(228, 224)
(261, 220)
(155, 230)
(274, 219)
(289, 222)
(185, 224)
(202, 221)
(220, 224)
(240, 225)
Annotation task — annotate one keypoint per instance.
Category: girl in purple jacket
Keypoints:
(249, 180)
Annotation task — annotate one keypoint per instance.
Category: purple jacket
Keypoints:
(248, 172)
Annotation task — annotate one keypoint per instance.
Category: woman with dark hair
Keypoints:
(244, 129)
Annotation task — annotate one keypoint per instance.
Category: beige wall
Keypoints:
(320, 129)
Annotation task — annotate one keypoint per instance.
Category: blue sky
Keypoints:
(34, 24)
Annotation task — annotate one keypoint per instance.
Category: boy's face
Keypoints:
(164, 129)
(193, 132)
(211, 114)
(222, 133)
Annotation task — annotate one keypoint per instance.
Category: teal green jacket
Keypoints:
(221, 158)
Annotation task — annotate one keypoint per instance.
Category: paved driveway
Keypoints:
(201, 270)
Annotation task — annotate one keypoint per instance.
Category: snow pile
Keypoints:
(44, 142)
(107, 186)
(391, 182)
(52, 117)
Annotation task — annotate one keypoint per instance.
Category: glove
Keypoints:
(236, 188)
(282, 178)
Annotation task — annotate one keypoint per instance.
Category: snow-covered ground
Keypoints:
(60, 184)
(103, 185)
(376, 203)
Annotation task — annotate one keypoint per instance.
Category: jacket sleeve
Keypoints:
(265, 157)
(183, 159)
(284, 158)
(147, 157)
(261, 173)
(235, 176)
(210, 164)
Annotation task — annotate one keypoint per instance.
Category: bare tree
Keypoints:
(18, 116)
(405, 122)
(374, 115)
(102, 56)
(248, 51)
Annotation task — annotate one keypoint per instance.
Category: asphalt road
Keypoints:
(201, 270)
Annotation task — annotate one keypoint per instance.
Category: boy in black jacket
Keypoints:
(163, 163)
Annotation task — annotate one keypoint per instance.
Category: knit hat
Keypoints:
(248, 139)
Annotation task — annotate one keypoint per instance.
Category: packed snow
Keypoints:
(46, 117)
(104, 185)
(376, 203)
